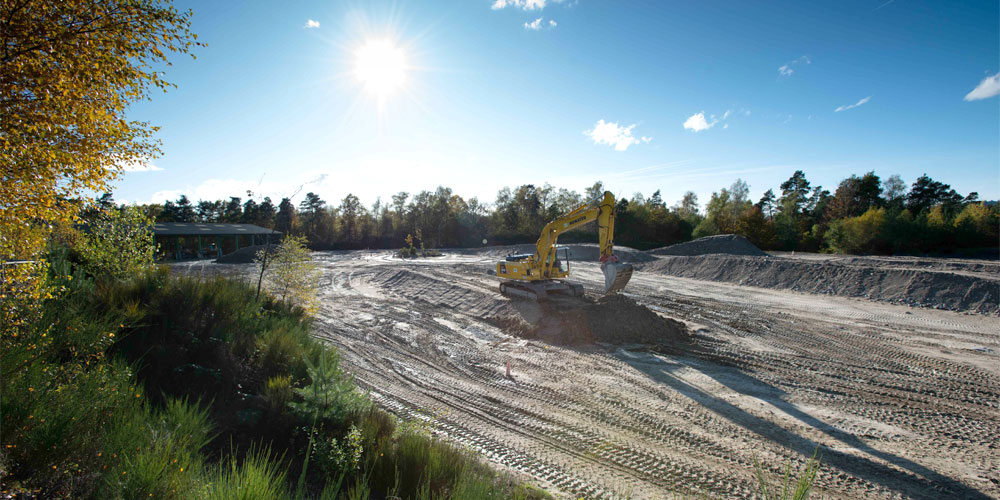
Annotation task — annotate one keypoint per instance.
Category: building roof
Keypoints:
(194, 228)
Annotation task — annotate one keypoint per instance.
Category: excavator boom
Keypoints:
(539, 274)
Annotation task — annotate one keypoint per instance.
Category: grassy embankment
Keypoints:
(170, 387)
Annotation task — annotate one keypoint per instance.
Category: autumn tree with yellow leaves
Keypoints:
(69, 69)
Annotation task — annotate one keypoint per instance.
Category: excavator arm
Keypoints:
(604, 214)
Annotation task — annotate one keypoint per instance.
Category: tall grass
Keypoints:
(257, 476)
(167, 461)
(788, 486)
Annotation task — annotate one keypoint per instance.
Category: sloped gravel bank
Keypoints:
(952, 290)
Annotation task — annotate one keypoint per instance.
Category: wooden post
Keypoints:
(199, 247)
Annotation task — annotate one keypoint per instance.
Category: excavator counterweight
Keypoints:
(537, 276)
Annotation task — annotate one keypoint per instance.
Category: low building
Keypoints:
(197, 240)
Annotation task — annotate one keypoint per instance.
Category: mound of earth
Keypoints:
(867, 279)
(591, 252)
(614, 319)
(244, 255)
(731, 244)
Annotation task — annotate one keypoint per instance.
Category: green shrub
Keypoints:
(118, 243)
(278, 392)
(290, 273)
(280, 350)
(977, 225)
(861, 234)
(166, 461)
(61, 424)
(330, 395)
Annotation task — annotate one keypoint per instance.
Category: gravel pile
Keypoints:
(730, 244)
(932, 288)
(244, 255)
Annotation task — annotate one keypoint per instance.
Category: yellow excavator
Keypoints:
(538, 275)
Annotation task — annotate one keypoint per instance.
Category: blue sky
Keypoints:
(651, 95)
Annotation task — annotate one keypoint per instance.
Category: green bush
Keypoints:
(118, 243)
(290, 273)
(977, 225)
(861, 234)
(168, 463)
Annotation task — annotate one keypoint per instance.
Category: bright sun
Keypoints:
(380, 66)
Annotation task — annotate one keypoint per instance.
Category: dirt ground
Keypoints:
(900, 402)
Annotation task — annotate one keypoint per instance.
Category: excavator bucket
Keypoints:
(616, 276)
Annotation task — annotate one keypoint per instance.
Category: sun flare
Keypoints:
(380, 67)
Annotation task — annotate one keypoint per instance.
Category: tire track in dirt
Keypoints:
(902, 404)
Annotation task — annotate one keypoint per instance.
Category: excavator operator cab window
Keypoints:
(562, 259)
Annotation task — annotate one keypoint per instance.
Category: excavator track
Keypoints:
(540, 291)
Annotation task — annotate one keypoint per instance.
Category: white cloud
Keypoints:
(851, 106)
(311, 24)
(788, 68)
(519, 4)
(646, 140)
(163, 196)
(612, 134)
(697, 122)
(534, 25)
(537, 24)
(138, 166)
(989, 87)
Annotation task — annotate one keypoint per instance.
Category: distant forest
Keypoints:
(862, 215)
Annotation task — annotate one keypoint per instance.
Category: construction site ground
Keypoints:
(896, 401)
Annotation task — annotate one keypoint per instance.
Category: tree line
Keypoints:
(863, 214)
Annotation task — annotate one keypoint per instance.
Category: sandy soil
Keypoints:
(901, 402)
